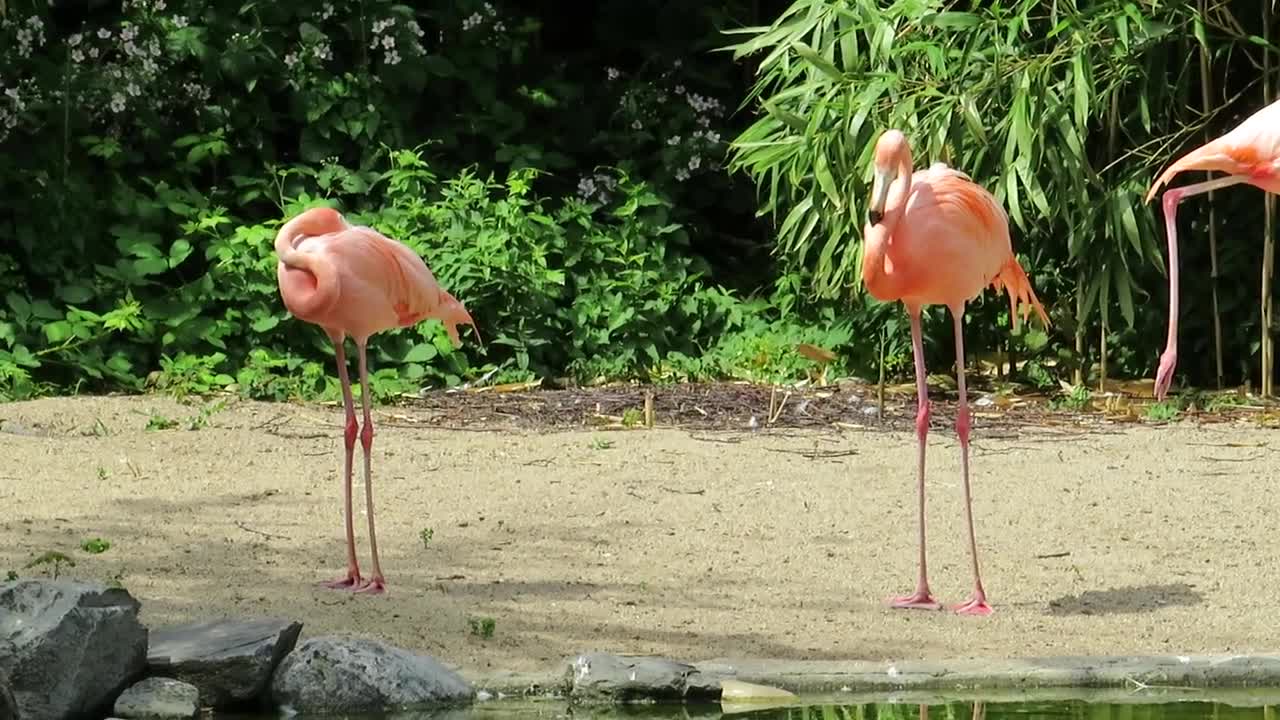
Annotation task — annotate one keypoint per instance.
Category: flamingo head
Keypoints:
(888, 159)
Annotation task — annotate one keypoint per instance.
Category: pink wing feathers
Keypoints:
(960, 242)
(356, 281)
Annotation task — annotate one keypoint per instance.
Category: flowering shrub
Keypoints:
(155, 149)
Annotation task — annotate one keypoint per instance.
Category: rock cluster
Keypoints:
(71, 650)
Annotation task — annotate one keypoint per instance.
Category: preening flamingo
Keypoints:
(935, 237)
(354, 281)
(1249, 154)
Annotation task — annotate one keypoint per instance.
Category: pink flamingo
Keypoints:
(1249, 154)
(936, 237)
(355, 281)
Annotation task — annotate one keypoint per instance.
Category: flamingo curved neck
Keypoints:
(309, 283)
(875, 245)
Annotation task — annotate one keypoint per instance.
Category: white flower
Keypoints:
(473, 21)
(612, 73)
(415, 28)
(77, 56)
(713, 136)
(388, 41)
(327, 12)
(682, 175)
(180, 21)
(391, 57)
(133, 90)
(488, 7)
(93, 52)
(636, 125)
(673, 140)
(290, 60)
(499, 27)
(74, 40)
(695, 162)
(117, 103)
(104, 34)
(679, 90)
(160, 5)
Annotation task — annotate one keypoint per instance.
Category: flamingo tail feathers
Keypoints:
(1013, 279)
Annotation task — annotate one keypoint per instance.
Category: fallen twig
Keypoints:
(267, 535)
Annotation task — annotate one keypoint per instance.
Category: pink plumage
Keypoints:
(355, 281)
(934, 237)
(1248, 154)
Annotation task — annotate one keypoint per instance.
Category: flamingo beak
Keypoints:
(879, 194)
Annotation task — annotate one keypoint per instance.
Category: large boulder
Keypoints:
(229, 661)
(336, 674)
(606, 678)
(67, 647)
(158, 698)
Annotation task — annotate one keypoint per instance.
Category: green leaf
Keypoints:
(419, 353)
(817, 61)
(178, 252)
(265, 323)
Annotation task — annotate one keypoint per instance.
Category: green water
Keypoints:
(1180, 704)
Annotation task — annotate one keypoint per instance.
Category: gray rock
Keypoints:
(602, 677)
(158, 698)
(336, 674)
(229, 661)
(8, 704)
(68, 648)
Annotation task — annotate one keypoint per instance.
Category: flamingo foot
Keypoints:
(352, 581)
(1164, 376)
(375, 585)
(977, 605)
(921, 600)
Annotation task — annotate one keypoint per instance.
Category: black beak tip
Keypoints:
(874, 216)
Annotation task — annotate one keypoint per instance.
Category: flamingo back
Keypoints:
(382, 284)
(952, 241)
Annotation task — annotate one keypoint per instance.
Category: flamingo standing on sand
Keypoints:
(1249, 154)
(354, 281)
(935, 237)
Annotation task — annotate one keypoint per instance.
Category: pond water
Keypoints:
(1237, 705)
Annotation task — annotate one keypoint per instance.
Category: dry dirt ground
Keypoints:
(692, 542)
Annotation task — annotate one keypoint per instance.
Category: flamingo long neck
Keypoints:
(876, 245)
(311, 280)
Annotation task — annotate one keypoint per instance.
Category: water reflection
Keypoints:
(1136, 709)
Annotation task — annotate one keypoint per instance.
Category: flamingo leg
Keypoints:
(1169, 358)
(977, 605)
(376, 582)
(921, 599)
(352, 579)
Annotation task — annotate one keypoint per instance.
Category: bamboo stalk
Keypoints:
(1206, 94)
(1113, 122)
(1268, 225)
(1077, 376)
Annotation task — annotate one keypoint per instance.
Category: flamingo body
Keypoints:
(935, 237)
(353, 280)
(1249, 154)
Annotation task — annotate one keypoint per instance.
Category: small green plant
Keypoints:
(599, 443)
(482, 627)
(201, 418)
(95, 546)
(159, 422)
(426, 534)
(102, 473)
(52, 558)
(11, 576)
(632, 417)
(1162, 411)
(1076, 399)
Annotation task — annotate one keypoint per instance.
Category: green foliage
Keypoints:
(95, 546)
(482, 627)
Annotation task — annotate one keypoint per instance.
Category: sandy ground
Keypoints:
(1124, 539)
